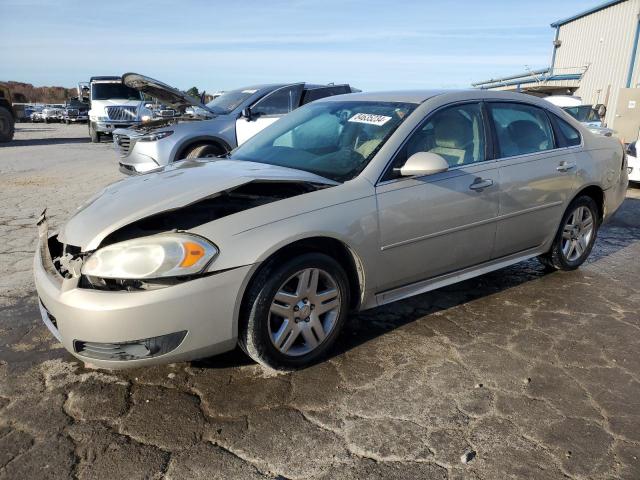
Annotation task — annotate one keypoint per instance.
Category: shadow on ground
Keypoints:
(44, 142)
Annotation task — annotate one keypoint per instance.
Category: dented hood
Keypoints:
(164, 93)
(173, 187)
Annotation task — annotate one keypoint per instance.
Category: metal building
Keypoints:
(596, 57)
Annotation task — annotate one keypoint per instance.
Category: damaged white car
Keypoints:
(347, 203)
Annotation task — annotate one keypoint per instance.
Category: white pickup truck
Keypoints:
(114, 105)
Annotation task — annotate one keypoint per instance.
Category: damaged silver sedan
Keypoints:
(347, 203)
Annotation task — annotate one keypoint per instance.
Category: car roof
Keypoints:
(273, 86)
(260, 86)
(401, 96)
(420, 96)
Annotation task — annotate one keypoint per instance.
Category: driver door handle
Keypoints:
(566, 166)
(480, 184)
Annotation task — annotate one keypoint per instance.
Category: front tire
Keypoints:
(294, 311)
(575, 237)
(205, 151)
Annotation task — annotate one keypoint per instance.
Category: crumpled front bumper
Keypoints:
(204, 308)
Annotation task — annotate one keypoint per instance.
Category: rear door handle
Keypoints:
(565, 166)
(480, 184)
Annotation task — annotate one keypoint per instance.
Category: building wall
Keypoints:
(604, 40)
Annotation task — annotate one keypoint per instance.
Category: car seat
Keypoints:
(527, 137)
(453, 137)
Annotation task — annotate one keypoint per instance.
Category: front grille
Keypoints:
(124, 144)
(167, 113)
(122, 113)
(72, 113)
(133, 350)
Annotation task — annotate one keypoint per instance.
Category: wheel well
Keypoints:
(196, 143)
(597, 194)
(331, 247)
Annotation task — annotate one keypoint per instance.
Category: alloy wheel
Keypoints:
(304, 311)
(577, 233)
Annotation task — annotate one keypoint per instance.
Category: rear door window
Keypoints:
(570, 134)
(521, 129)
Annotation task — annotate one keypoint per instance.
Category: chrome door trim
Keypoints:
(470, 225)
(427, 285)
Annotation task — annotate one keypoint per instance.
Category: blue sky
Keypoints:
(221, 45)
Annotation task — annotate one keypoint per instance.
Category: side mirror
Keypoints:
(246, 113)
(601, 109)
(423, 163)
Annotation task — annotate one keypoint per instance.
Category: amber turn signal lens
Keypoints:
(192, 253)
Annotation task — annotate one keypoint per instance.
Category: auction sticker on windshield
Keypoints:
(370, 118)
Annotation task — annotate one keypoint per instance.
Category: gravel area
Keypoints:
(516, 374)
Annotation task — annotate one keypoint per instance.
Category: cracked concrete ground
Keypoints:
(516, 374)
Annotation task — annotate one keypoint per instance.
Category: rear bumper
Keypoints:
(614, 196)
(204, 308)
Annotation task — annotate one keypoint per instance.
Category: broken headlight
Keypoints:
(152, 137)
(156, 256)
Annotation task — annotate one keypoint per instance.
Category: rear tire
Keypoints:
(293, 311)
(205, 151)
(7, 126)
(95, 135)
(576, 236)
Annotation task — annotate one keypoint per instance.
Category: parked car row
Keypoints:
(346, 203)
(72, 112)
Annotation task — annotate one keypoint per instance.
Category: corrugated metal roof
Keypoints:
(608, 4)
